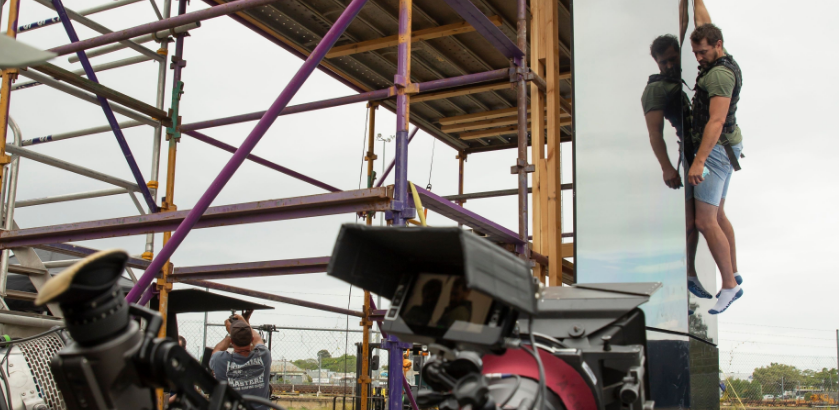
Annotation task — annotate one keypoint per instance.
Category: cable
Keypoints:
(542, 395)
(513, 393)
(781, 327)
(780, 335)
(431, 167)
(363, 145)
(26, 339)
(262, 400)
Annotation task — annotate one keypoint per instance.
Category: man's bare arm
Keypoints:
(683, 20)
(655, 127)
(222, 346)
(700, 13)
(713, 131)
(257, 339)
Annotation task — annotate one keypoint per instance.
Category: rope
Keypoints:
(431, 167)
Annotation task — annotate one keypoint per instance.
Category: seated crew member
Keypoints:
(459, 308)
(719, 143)
(248, 368)
(421, 314)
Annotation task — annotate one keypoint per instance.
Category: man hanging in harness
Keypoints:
(718, 143)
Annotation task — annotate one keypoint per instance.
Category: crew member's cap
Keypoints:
(241, 334)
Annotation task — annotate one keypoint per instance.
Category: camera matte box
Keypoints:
(377, 258)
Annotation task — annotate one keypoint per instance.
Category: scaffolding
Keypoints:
(470, 88)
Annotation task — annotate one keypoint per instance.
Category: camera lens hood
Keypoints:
(94, 306)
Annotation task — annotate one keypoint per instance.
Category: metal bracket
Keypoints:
(529, 168)
(175, 130)
(536, 79)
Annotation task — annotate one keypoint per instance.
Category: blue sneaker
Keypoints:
(722, 304)
(737, 278)
(695, 287)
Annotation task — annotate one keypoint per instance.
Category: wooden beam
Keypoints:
(553, 169)
(499, 131)
(462, 91)
(419, 35)
(477, 125)
(537, 138)
(568, 250)
(102, 91)
(479, 116)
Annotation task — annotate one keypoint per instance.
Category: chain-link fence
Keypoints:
(755, 380)
(300, 356)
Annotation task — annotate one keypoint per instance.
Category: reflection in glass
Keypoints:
(630, 210)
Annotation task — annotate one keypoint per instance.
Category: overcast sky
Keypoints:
(782, 204)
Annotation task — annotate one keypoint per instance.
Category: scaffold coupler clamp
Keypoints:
(520, 163)
(174, 131)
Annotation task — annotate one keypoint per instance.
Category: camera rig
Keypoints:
(499, 339)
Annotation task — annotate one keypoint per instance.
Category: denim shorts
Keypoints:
(715, 186)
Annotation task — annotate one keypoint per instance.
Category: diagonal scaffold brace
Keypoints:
(106, 108)
(245, 149)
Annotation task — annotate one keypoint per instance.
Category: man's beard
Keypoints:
(707, 63)
(673, 72)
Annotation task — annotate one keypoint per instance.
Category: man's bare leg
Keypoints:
(706, 222)
(728, 230)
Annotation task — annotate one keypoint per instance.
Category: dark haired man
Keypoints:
(719, 144)
(248, 368)
(664, 99)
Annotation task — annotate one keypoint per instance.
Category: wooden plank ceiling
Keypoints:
(444, 46)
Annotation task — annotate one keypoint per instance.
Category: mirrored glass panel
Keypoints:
(630, 202)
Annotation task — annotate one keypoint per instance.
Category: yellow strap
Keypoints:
(418, 204)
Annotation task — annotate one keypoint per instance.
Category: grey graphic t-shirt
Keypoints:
(246, 374)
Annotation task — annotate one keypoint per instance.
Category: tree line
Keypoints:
(776, 378)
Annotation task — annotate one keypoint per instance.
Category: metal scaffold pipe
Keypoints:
(79, 133)
(58, 85)
(99, 28)
(86, 12)
(76, 169)
(70, 197)
(158, 36)
(9, 216)
(152, 27)
(98, 68)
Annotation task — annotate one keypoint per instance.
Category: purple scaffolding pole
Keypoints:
(425, 87)
(106, 107)
(395, 346)
(261, 161)
(401, 80)
(247, 146)
(393, 161)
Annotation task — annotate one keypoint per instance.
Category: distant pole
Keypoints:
(205, 326)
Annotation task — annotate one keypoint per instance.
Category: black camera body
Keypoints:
(486, 319)
(447, 286)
